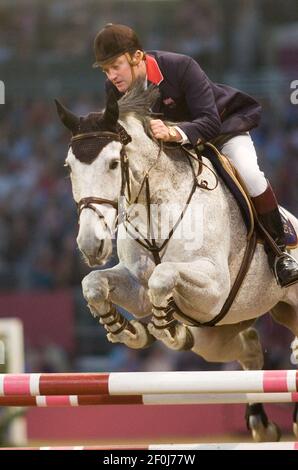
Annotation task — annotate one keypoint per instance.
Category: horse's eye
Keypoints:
(114, 164)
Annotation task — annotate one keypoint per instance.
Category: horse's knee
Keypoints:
(95, 288)
(162, 281)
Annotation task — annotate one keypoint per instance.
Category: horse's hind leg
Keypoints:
(287, 315)
(261, 428)
(227, 343)
(239, 342)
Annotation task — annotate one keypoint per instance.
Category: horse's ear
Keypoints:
(70, 120)
(111, 113)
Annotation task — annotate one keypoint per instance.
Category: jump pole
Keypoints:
(141, 383)
(52, 401)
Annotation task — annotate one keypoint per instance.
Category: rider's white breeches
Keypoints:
(242, 153)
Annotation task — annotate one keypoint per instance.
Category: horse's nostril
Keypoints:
(91, 254)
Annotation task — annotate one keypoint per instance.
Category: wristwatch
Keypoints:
(172, 131)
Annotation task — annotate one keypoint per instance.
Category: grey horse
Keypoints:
(193, 262)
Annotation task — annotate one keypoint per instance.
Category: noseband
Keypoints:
(124, 138)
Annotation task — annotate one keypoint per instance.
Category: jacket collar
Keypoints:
(154, 74)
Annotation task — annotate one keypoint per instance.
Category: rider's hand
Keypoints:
(162, 132)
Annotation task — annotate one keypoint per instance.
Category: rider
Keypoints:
(206, 111)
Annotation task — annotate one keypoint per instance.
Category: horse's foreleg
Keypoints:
(163, 326)
(104, 288)
(198, 288)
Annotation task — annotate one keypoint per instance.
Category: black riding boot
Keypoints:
(284, 266)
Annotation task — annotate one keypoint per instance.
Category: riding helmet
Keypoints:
(112, 41)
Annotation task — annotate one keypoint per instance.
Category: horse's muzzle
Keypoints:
(95, 254)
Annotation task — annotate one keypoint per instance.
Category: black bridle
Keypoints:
(124, 138)
(87, 203)
(90, 202)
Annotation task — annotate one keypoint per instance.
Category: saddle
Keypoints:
(255, 233)
(228, 173)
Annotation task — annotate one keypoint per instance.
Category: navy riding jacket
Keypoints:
(203, 109)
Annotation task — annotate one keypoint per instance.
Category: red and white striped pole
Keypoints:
(156, 399)
(141, 383)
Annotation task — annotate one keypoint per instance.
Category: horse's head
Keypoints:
(96, 159)
(98, 165)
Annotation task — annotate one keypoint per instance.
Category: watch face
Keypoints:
(172, 132)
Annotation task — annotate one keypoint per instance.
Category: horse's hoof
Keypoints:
(261, 433)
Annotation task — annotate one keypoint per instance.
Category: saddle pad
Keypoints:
(232, 183)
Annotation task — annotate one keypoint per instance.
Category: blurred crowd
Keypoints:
(232, 33)
(38, 220)
(64, 29)
(276, 141)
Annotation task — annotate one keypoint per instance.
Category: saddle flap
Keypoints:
(229, 176)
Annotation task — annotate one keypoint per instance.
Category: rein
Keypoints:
(90, 202)
(150, 244)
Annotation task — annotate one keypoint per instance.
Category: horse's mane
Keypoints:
(139, 102)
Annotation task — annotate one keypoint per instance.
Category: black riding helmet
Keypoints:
(114, 40)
